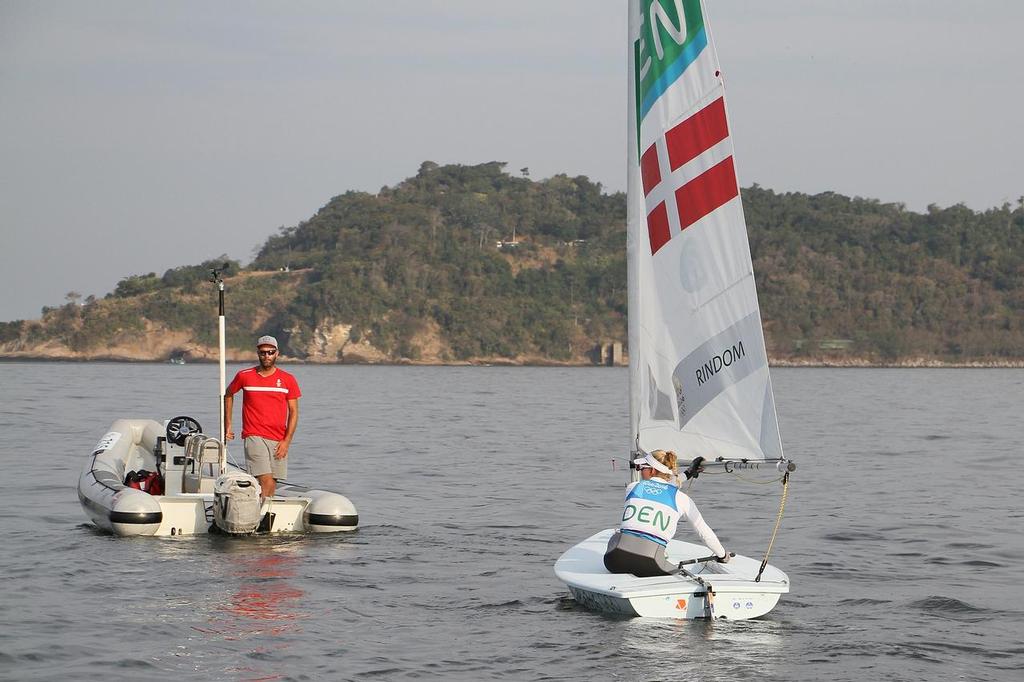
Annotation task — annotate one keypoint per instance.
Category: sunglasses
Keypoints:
(266, 352)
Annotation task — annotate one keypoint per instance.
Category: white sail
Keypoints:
(698, 366)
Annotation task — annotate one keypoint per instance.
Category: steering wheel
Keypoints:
(181, 427)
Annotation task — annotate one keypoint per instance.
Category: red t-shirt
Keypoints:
(265, 401)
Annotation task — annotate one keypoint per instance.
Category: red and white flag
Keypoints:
(688, 173)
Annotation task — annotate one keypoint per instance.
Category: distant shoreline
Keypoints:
(899, 364)
(820, 363)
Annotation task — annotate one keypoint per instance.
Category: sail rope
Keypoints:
(778, 518)
(778, 521)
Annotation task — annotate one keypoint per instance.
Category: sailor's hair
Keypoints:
(669, 459)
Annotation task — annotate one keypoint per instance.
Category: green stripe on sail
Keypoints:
(665, 38)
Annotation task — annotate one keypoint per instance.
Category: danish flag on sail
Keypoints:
(688, 173)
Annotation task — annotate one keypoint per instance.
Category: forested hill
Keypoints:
(473, 263)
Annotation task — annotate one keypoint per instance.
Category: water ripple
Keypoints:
(450, 575)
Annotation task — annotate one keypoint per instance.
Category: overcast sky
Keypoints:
(136, 136)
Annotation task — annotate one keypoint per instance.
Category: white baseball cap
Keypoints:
(266, 341)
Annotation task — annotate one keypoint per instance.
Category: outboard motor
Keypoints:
(236, 503)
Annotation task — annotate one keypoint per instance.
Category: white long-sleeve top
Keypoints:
(653, 510)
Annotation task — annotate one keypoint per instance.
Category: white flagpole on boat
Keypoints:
(219, 281)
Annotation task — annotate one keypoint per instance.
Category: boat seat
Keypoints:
(204, 462)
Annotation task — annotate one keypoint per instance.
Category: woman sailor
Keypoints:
(653, 508)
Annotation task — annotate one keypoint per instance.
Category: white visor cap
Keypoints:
(650, 461)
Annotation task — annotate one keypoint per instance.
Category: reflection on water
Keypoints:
(266, 605)
(265, 602)
(242, 599)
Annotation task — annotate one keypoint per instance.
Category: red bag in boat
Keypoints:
(146, 481)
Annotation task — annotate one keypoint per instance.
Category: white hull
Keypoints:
(735, 595)
(186, 507)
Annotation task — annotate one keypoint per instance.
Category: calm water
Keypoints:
(902, 534)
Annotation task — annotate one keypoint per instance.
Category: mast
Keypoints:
(634, 215)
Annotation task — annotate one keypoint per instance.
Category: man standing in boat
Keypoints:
(270, 413)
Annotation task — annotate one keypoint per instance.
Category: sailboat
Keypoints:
(699, 379)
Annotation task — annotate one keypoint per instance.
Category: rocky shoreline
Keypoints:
(907, 363)
(235, 356)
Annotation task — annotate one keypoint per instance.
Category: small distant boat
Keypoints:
(148, 478)
(699, 381)
(176, 360)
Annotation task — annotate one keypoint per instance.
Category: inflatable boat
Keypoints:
(147, 478)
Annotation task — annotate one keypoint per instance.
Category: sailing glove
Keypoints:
(695, 468)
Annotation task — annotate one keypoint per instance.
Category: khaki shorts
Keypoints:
(260, 460)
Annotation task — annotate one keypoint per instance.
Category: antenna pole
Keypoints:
(219, 281)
